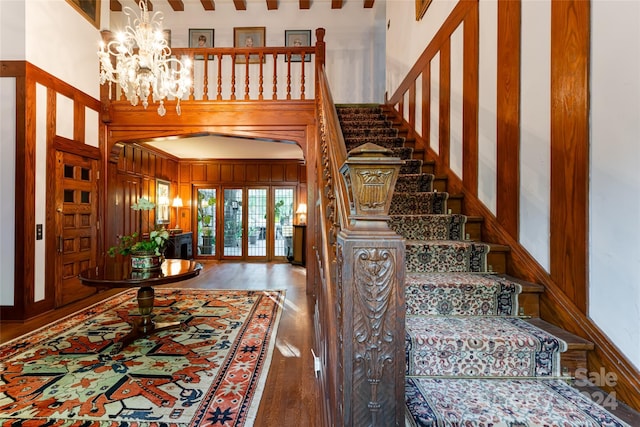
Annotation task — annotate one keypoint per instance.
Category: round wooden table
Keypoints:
(118, 274)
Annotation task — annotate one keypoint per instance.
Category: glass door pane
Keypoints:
(283, 221)
(232, 218)
(257, 213)
(206, 237)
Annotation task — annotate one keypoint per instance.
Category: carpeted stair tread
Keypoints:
(360, 132)
(383, 141)
(411, 167)
(425, 256)
(418, 203)
(475, 346)
(363, 116)
(348, 123)
(505, 403)
(429, 226)
(414, 183)
(460, 294)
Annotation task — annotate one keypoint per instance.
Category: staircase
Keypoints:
(477, 352)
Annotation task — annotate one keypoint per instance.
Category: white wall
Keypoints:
(614, 288)
(614, 223)
(7, 187)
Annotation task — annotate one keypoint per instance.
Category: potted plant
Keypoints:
(205, 219)
(253, 235)
(146, 253)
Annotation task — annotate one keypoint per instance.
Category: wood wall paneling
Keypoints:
(198, 172)
(445, 102)
(213, 172)
(239, 172)
(226, 173)
(570, 46)
(508, 109)
(470, 92)
(184, 174)
(426, 105)
(291, 172)
(252, 173)
(264, 173)
(277, 173)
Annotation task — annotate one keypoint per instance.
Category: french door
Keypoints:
(244, 223)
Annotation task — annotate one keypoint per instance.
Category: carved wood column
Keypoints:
(370, 282)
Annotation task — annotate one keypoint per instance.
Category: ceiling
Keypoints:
(225, 147)
(178, 5)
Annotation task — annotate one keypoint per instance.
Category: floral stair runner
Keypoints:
(470, 359)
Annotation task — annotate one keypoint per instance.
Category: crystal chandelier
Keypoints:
(143, 63)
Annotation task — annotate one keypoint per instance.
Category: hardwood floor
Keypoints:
(289, 397)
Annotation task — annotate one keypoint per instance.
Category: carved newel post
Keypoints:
(370, 280)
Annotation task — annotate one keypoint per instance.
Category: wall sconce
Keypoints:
(302, 212)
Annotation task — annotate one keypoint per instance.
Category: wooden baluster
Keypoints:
(246, 77)
(219, 96)
(260, 79)
(192, 73)
(205, 85)
(302, 57)
(275, 77)
(233, 77)
(288, 75)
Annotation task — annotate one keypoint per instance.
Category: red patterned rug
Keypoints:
(211, 373)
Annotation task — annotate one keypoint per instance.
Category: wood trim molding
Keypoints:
(471, 93)
(508, 109)
(570, 44)
(445, 103)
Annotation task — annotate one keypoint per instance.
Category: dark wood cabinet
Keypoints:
(180, 246)
(299, 244)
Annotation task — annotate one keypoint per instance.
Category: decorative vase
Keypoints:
(145, 261)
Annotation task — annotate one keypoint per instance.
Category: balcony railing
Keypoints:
(235, 74)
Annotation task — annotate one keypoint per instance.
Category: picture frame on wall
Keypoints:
(90, 9)
(248, 37)
(167, 36)
(162, 201)
(298, 38)
(201, 38)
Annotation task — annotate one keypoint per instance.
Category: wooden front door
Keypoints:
(76, 224)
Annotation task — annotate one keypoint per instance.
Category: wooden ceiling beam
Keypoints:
(149, 5)
(336, 4)
(177, 5)
(305, 4)
(368, 4)
(208, 4)
(272, 4)
(240, 4)
(115, 6)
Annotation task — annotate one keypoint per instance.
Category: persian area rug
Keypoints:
(210, 373)
(501, 403)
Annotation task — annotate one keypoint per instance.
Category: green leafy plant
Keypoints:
(134, 243)
(131, 244)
